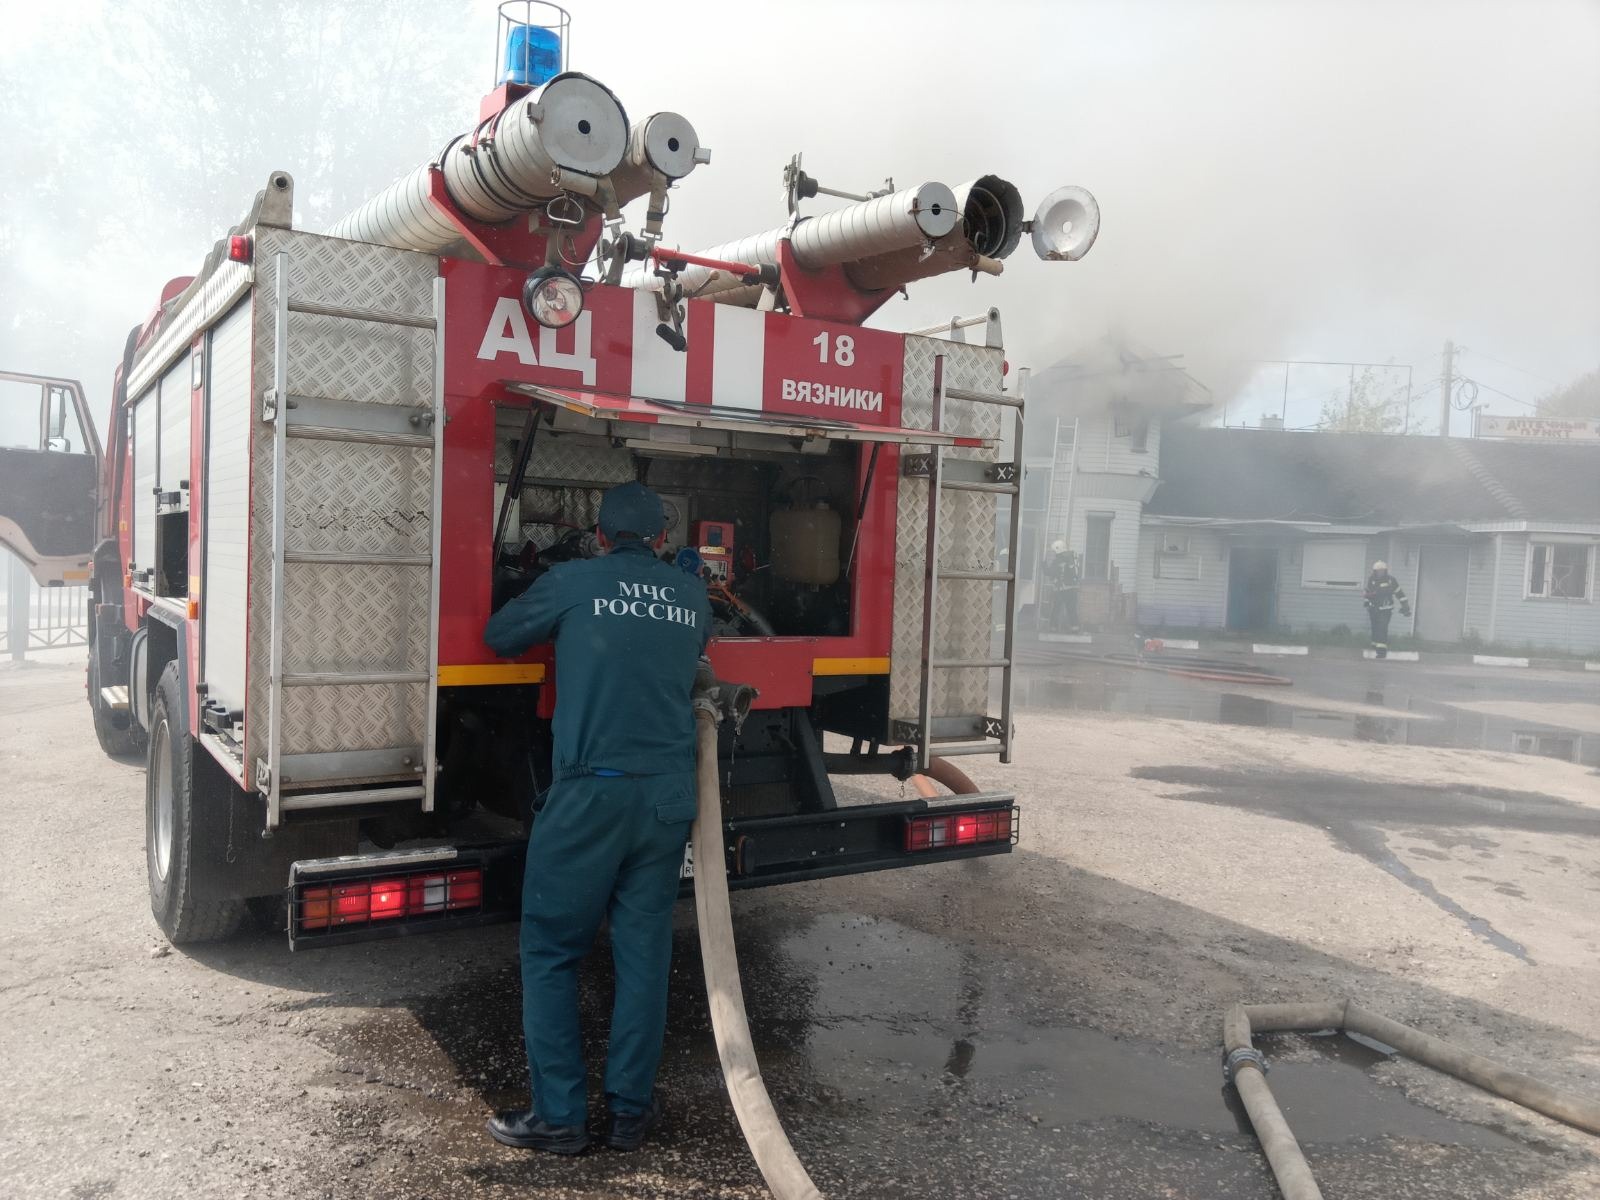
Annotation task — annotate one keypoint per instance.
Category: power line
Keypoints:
(1514, 399)
(1514, 367)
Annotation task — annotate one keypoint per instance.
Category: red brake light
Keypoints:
(361, 901)
(465, 889)
(239, 248)
(958, 829)
(388, 899)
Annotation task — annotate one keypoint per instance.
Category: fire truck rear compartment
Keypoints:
(773, 526)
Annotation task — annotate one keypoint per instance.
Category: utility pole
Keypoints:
(1446, 378)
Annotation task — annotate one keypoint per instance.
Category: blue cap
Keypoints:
(631, 508)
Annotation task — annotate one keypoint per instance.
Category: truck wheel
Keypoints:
(172, 845)
(119, 734)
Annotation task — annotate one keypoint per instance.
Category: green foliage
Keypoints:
(1580, 398)
(1361, 408)
(137, 133)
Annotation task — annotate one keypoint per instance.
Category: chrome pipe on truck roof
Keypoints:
(565, 137)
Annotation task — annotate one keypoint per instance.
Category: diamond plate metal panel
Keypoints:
(350, 618)
(343, 497)
(346, 360)
(565, 460)
(370, 717)
(964, 621)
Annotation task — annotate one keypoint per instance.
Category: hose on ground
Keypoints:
(1246, 1068)
(769, 1145)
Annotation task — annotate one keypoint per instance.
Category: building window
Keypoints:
(1559, 570)
(1333, 564)
(1097, 547)
(1125, 423)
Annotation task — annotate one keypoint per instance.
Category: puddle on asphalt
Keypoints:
(856, 1015)
(878, 1034)
(1088, 686)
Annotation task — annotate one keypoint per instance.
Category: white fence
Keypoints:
(34, 618)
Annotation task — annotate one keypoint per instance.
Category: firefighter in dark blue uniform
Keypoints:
(628, 630)
(1383, 590)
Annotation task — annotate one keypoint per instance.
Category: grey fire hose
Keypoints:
(1245, 1066)
(769, 1145)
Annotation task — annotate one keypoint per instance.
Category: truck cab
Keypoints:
(49, 462)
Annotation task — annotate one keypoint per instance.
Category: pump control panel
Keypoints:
(714, 540)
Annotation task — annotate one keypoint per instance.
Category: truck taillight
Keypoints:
(947, 831)
(239, 248)
(325, 906)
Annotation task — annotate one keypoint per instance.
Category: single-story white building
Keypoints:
(1495, 541)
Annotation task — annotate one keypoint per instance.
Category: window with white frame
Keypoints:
(1559, 570)
(1333, 564)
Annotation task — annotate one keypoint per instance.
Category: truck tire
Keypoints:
(172, 843)
(120, 736)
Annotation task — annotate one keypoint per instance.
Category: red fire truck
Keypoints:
(332, 455)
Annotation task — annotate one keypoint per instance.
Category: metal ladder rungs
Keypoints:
(953, 393)
(299, 800)
(329, 433)
(960, 749)
(351, 679)
(374, 316)
(317, 558)
(372, 421)
(991, 576)
(973, 485)
(956, 474)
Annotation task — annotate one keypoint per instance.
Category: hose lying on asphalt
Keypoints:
(1246, 1068)
(769, 1145)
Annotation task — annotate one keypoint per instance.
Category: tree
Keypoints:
(136, 134)
(1360, 409)
(1580, 398)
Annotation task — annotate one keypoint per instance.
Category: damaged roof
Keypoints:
(1372, 479)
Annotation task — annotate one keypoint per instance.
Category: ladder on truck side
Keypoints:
(947, 475)
(358, 423)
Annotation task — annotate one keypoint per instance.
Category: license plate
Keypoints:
(686, 871)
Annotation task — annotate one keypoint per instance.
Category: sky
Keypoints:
(1329, 181)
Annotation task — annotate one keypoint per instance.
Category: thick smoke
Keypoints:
(1342, 179)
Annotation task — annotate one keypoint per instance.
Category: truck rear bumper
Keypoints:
(335, 901)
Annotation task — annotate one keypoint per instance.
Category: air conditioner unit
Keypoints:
(1175, 543)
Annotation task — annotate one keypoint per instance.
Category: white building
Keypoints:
(1187, 528)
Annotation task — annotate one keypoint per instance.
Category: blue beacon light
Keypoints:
(533, 56)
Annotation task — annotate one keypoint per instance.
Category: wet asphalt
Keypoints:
(1422, 703)
(996, 1029)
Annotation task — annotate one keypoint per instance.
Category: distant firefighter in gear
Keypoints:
(1383, 591)
(1061, 578)
(629, 631)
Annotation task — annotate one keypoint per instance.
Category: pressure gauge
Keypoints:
(553, 297)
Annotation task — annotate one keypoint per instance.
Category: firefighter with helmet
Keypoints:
(629, 631)
(1383, 591)
(1061, 578)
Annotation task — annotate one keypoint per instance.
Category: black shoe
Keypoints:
(629, 1133)
(526, 1130)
